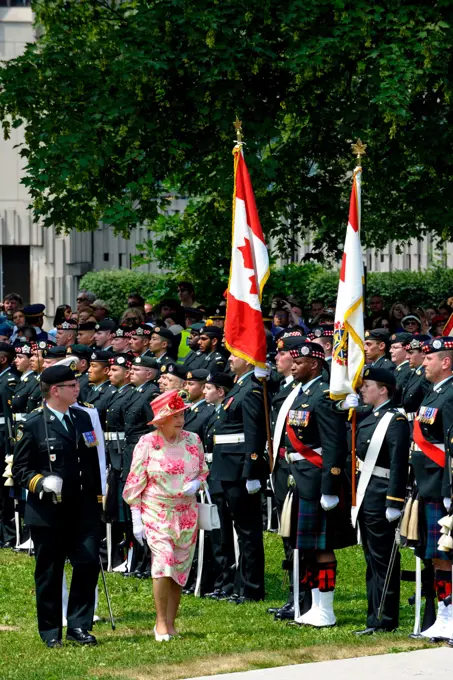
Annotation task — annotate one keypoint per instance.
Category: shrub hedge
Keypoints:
(306, 282)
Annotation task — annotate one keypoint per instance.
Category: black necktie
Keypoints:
(69, 425)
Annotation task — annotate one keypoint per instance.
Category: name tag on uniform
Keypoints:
(427, 414)
(298, 418)
(90, 439)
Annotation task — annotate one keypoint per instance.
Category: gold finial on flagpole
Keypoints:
(359, 150)
(238, 127)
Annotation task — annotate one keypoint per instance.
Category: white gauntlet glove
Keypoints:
(191, 488)
(262, 373)
(447, 504)
(253, 486)
(329, 502)
(137, 525)
(351, 401)
(52, 484)
(392, 514)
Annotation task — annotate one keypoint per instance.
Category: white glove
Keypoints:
(137, 525)
(392, 514)
(351, 401)
(447, 504)
(52, 484)
(253, 486)
(329, 502)
(191, 488)
(262, 373)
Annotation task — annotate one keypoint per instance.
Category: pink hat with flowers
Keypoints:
(166, 405)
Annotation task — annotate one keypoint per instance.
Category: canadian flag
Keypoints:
(348, 356)
(244, 328)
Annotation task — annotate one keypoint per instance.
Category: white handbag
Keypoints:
(208, 514)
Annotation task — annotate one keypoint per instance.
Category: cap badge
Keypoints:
(189, 376)
(305, 351)
(120, 360)
(437, 344)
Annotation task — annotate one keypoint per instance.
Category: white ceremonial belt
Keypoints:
(19, 417)
(229, 438)
(208, 457)
(294, 457)
(378, 471)
(114, 436)
(2, 420)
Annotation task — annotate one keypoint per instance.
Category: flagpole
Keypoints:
(358, 149)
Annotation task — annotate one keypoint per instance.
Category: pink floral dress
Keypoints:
(158, 473)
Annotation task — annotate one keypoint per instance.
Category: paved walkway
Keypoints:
(423, 664)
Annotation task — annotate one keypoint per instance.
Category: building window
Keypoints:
(106, 257)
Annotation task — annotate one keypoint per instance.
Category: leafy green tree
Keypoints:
(125, 102)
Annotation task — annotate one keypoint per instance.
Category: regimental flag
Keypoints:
(348, 351)
(244, 329)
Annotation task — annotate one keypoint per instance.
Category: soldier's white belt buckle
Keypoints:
(410, 417)
(229, 438)
(208, 457)
(19, 417)
(114, 436)
(382, 473)
(294, 457)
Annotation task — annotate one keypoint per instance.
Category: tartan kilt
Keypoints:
(433, 511)
(321, 530)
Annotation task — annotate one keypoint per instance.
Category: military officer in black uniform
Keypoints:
(26, 384)
(216, 390)
(56, 460)
(136, 414)
(376, 346)
(86, 334)
(195, 357)
(172, 377)
(239, 464)
(162, 344)
(210, 342)
(83, 353)
(119, 375)
(37, 366)
(323, 335)
(139, 340)
(200, 411)
(382, 449)
(315, 444)
(417, 385)
(400, 358)
(120, 339)
(281, 469)
(101, 391)
(431, 430)
(104, 332)
(8, 382)
(52, 355)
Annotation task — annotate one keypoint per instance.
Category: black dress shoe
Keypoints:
(285, 613)
(53, 643)
(9, 544)
(82, 637)
(274, 610)
(240, 600)
(142, 574)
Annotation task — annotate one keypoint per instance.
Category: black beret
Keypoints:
(174, 369)
(123, 332)
(324, 330)
(57, 374)
(121, 360)
(308, 349)
(438, 345)
(80, 351)
(87, 326)
(39, 345)
(34, 310)
(197, 374)
(70, 325)
(382, 375)
(24, 349)
(163, 333)
(290, 341)
(378, 334)
(195, 327)
(417, 341)
(212, 331)
(57, 352)
(6, 347)
(402, 337)
(221, 380)
(101, 356)
(106, 325)
(143, 330)
(146, 362)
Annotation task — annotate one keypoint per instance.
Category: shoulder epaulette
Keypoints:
(88, 405)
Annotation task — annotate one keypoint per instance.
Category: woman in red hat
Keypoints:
(168, 467)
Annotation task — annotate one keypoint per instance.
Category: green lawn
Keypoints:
(218, 636)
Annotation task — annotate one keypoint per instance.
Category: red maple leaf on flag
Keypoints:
(247, 256)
